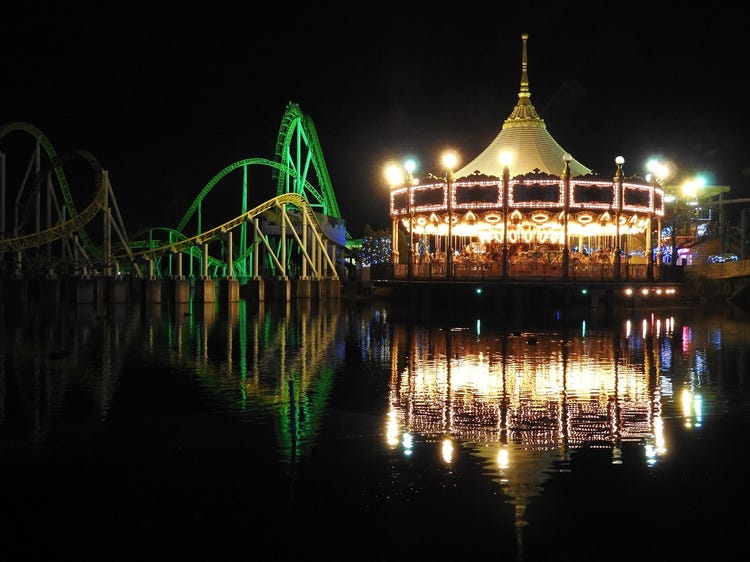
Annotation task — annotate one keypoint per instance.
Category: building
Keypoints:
(524, 207)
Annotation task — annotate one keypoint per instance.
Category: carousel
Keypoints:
(524, 207)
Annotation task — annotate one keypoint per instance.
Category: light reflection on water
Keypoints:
(320, 387)
(521, 402)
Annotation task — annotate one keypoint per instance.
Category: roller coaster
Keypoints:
(298, 232)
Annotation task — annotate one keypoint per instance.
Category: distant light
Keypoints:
(478, 290)
(659, 169)
(584, 291)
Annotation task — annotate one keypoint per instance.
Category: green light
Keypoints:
(584, 291)
(478, 290)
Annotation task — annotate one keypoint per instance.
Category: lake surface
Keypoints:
(350, 430)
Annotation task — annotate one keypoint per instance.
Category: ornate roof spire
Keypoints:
(524, 136)
(524, 110)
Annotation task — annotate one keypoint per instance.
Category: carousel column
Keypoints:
(449, 244)
(650, 250)
(619, 161)
(566, 210)
(395, 177)
(394, 241)
(450, 160)
(506, 207)
(409, 166)
(649, 231)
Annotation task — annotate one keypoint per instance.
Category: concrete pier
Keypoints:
(280, 289)
(117, 291)
(179, 290)
(229, 289)
(303, 288)
(254, 290)
(152, 291)
(205, 290)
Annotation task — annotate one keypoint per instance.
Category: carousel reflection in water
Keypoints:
(521, 402)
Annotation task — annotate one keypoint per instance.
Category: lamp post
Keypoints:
(505, 160)
(566, 207)
(619, 161)
(450, 159)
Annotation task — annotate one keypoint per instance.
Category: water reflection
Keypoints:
(522, 401)
(59, 364)
(307, 405)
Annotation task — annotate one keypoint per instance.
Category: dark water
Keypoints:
(346, 430)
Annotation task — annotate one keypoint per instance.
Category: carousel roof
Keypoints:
(526, 136)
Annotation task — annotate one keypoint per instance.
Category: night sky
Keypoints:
(167, 99)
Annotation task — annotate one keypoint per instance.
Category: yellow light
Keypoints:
(450, 160)
(658, 169)
(447, 450)
(391, 431)
(506, 158)
(394, 174)
(691, 187)
(503, 458)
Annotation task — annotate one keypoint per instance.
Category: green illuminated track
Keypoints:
(298, 171)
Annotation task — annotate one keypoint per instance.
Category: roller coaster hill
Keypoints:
(60, 220)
